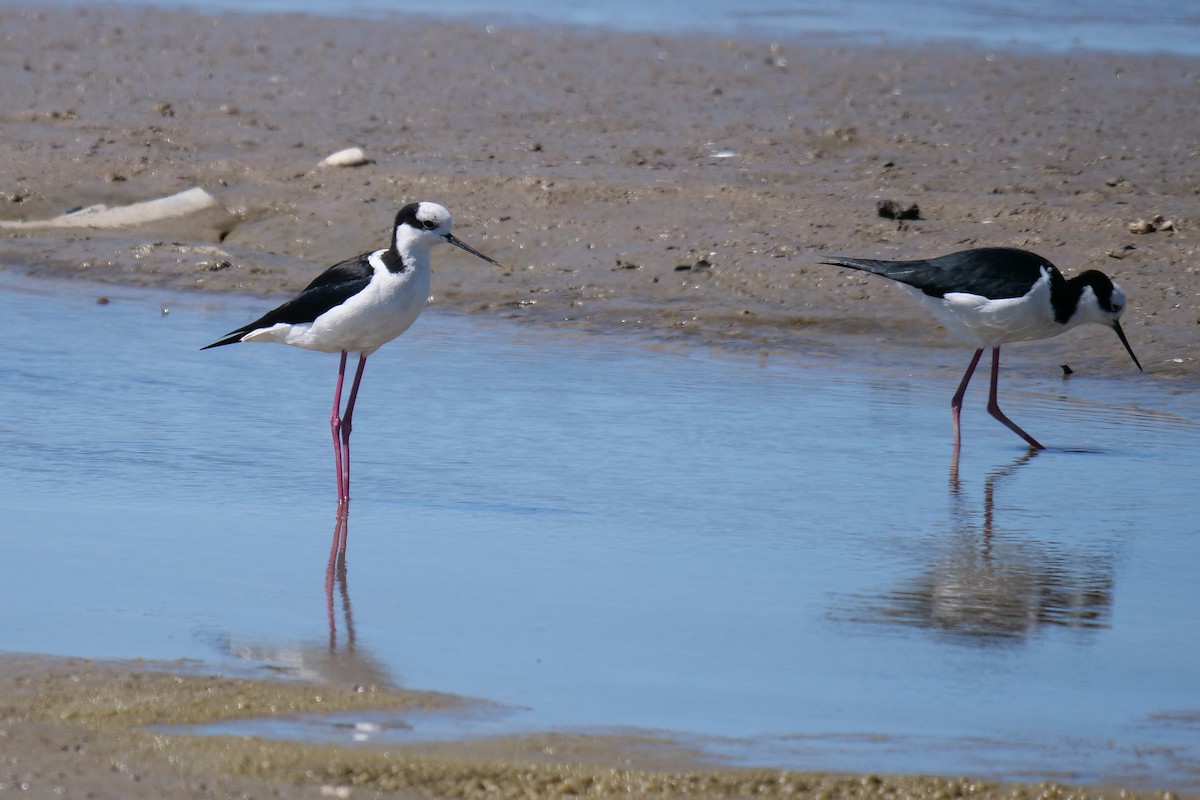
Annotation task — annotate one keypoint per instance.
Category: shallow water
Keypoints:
(768, 557)
(1141, 26)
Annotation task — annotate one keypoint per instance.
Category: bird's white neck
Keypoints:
(1087, 309)
(411, 244)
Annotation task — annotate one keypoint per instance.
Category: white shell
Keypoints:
(350, 157)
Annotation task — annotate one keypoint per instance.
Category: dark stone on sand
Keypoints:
(890, 209)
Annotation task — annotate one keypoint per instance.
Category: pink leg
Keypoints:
(957, 401)
(347, 425)
(335, 425)
(994, 407)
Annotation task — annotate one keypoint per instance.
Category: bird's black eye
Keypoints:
(1116, 308)
(428, 224)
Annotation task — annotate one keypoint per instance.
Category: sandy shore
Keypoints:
(679, 189)
(683, 187)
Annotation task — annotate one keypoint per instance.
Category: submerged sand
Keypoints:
(681, 189)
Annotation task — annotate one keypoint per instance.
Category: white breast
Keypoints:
(990, 323)
(386, 308)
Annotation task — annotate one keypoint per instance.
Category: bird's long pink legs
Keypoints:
(341, 424)
(335, 425)
(993, 405)
(957, 401)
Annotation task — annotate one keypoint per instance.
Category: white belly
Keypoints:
(370, 319)
(991, 323)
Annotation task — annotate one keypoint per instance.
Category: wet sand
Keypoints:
(679, 189)
(682, 187)
(77, 728)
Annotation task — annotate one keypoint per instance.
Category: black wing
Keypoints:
(994, 272)
(331, 288)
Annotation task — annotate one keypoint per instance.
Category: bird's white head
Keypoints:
(420, 226)
(1101, 301)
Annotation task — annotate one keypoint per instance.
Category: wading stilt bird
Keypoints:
(993, 295)
(357, 306)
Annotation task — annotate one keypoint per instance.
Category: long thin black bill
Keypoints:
(454, 240)
(1124, 341)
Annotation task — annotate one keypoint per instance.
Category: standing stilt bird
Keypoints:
(993, 295)
(358, 305)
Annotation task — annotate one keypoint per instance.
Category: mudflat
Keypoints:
(682, 187)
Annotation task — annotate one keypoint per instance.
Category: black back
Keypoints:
(331, 288)
(993, 272)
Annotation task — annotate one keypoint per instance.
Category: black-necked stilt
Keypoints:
(993, 295)
(358, 305)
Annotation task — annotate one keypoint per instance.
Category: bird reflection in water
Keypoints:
(344, 663)
(959, 505)
(990, 586)
(335, 574)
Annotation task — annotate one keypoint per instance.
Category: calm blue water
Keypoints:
(1118, 25)
(772, 557)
